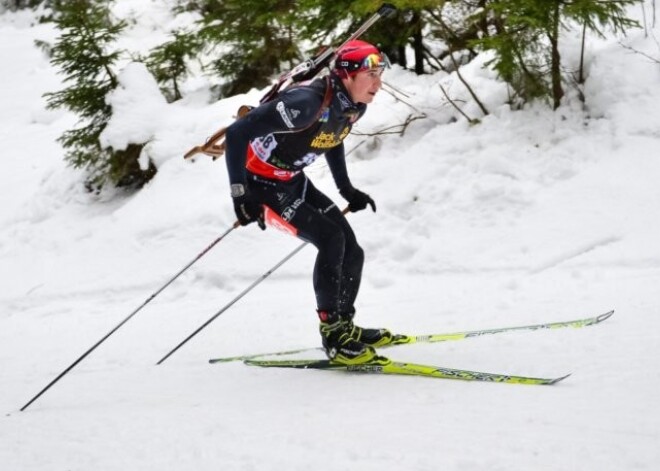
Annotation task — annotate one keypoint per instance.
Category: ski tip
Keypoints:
(561, 378)
(605, 316)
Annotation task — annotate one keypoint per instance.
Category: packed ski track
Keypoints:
(530, 216)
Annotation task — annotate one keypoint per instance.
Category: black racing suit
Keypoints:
(267, 150)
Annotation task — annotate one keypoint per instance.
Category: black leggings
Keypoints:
(338, 267)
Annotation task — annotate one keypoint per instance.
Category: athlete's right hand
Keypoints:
(248, 210)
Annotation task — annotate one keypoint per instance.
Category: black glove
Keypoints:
(247, 209)
(357, 200)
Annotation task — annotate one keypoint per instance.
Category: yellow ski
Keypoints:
(431, 338)
(382, 365)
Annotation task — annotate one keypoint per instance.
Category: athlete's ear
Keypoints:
(349, 81)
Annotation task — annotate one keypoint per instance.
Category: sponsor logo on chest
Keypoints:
(327, 140)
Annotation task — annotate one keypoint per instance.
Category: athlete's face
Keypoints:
(364, 85)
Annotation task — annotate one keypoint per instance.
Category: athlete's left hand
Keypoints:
(357, 200)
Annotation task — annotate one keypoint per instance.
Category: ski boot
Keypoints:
(338, 344)
(372, 337)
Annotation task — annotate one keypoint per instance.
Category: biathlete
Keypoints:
(266, 152)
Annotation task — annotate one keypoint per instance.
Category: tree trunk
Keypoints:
(401, 55)
(418, 44)
(584, 39)
(555, 67)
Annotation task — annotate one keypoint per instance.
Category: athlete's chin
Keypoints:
(368, 98)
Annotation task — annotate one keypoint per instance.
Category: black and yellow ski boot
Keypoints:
(339, 346)
(368, 336)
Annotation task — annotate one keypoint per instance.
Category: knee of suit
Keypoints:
(333, 240)
(354, 254)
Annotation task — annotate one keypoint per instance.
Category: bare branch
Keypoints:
(444, 92)
(467, 85)
(639, 52)
(387, 88)
(394, 129)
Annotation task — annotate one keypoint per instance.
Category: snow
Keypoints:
(530, 216)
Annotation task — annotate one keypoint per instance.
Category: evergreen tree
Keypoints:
(253, 40)
(330, 23)
(597, 16)
(403, 30)
(526, 43)
(20, 4)
(84, 54)
(169, 62)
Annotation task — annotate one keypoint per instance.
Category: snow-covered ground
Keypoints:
(530, 216)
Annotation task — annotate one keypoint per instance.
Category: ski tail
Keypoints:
(259, 355)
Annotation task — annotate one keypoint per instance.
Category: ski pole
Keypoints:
(238, 297)
(81, 358)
